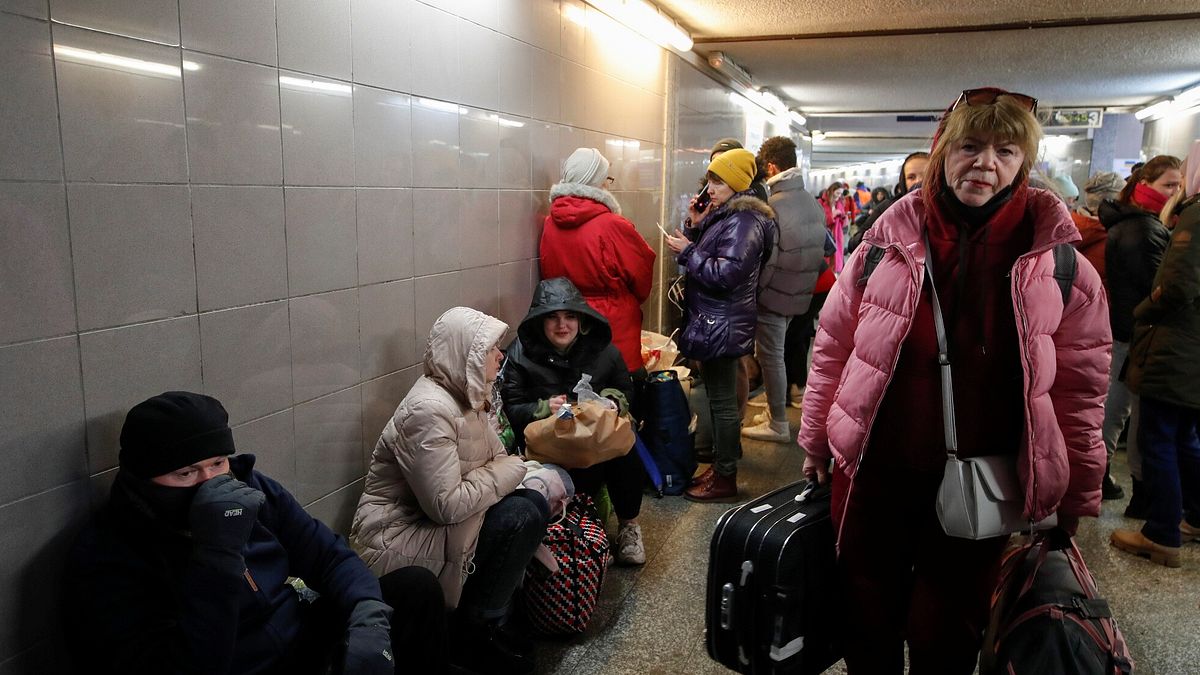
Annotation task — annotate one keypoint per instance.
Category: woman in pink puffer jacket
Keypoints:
(1030, 375)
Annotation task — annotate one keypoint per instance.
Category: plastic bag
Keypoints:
(584, 393)
(658, 351)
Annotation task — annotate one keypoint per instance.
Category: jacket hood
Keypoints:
(791, 179)
(1112, 212)
(457, 350)
(902, 222)
(559, 294)
(741, 201)
(572, 204)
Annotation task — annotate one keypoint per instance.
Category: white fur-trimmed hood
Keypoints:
(587, 192)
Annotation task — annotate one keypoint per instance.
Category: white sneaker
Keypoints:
(630, 550)
(769, 431)
(759, 401)
(761, 417)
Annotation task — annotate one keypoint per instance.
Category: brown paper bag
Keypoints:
(596, 434)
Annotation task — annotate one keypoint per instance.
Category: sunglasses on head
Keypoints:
(974, 97)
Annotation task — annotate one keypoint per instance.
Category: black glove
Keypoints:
(369, 640)
(223, 512)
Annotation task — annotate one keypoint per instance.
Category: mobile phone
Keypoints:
(702, 198)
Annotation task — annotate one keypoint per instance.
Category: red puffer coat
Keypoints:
(586, 240)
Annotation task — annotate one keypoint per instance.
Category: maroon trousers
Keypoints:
(904, 580)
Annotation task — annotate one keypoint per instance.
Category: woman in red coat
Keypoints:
(586, 240)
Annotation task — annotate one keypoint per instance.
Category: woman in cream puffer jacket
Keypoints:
(438, 466)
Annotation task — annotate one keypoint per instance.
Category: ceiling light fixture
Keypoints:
(1160, 108)
(647, 20)
(798, 117)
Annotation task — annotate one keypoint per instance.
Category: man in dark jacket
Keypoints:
(186, 569)
(786, 283)
(1134, 248)
(561, 339)
(1164, 370)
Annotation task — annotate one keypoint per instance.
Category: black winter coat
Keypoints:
(1164, 358)
(1136, 242)
(534, 371)
(135, 602)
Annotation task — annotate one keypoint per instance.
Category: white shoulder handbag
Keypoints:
(980, 497)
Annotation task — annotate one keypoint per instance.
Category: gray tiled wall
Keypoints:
(269, 201)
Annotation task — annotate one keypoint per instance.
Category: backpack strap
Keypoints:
(873, 255)
(1064, 269)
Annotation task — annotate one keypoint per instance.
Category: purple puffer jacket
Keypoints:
(722, 279)
(1065, 352)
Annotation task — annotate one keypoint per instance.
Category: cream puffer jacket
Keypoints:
(438, 465)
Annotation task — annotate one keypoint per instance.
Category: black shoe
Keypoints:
(514, 639)
(485, 649)
(1139, 502)
(1110, 490)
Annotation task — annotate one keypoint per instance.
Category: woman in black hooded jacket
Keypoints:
(559, 340)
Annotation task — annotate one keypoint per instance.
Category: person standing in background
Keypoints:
(1164, 370)
(731, 238)
(1135, 246)
(587, 240)
(786, 284)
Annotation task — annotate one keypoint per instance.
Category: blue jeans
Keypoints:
(511, 532)
(1170, 468)
(720, 379)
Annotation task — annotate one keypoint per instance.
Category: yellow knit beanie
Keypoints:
(735, 168)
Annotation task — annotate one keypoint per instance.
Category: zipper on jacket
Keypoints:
(862, 454)
(1023, 322)
(250, 580)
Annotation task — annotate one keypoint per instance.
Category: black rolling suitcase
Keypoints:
(770, 584)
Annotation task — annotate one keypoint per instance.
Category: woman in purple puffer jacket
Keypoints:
(732, 236)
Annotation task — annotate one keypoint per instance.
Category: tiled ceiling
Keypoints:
(839, 61)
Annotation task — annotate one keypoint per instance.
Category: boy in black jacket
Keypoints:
(186, 569)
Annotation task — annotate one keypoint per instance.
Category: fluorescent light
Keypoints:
(1160, 108)
(122, 62)
(645, 19)
(336, 88)
(798, 118)
(505, 122)
(1189, 96)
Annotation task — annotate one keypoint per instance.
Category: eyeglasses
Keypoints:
(610, 181)
(989, 95)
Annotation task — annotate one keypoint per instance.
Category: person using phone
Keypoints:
(732, 235)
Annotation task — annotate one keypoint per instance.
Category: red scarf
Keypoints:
(1148, 198)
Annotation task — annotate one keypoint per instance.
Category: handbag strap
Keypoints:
(939, 325)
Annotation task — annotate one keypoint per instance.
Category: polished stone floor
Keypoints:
(651, 619)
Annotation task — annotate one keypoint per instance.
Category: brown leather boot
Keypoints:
(719, 489)
(1136, 543)
(703, 478)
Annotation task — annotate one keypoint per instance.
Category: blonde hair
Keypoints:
(1004, 121)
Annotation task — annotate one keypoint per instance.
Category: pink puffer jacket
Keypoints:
(1065, 354)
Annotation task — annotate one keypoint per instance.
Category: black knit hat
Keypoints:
(173, 430)
(724, 145)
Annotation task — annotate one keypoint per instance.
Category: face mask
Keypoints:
(168, 504)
